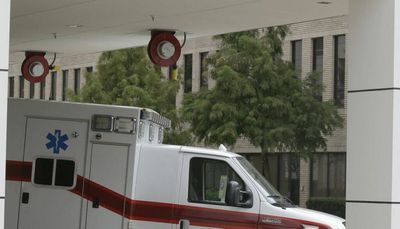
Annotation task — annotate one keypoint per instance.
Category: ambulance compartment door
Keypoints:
(107, 185)
(55, 155)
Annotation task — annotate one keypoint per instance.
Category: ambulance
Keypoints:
(86, 166)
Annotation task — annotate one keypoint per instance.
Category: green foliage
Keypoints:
(127, 77)
(334, 206)
(258, 96)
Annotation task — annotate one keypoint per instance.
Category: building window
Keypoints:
(340, 71)
(53, 86)
(328, 175)
(318, 58)
(64, 84)
(21, 87)
(77, 80)
(11, 84)
(31, 90)
(297, 56)
(188, 59)
(282, 170)
(89, 69)
(203, 70)
(43, 89)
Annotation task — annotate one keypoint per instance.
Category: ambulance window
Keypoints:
(43, 171)
(65, 173)
(208, 180)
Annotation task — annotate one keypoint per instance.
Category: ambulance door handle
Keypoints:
(96, 203)
(25, 198)
(184, 224)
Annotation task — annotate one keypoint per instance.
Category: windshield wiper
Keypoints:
(275, 196)
(278, 203)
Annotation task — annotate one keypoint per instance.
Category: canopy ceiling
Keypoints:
(84, 26)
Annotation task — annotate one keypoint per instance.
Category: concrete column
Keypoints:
(304, 182)
(4, 50)
(373, 149)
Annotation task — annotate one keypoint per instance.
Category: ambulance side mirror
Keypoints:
(236, 197)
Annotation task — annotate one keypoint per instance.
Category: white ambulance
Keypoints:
(85, 166)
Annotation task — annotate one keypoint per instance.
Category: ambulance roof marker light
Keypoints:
(153, 116)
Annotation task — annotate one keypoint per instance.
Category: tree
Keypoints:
(258, 96)
(127, 77)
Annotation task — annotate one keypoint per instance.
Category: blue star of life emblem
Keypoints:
(57, 141)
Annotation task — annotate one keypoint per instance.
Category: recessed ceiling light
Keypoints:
(324, 2)
(74, 26)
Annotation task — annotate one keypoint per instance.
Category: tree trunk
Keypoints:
(266, 168)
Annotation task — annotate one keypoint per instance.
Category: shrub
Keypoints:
(334, 206)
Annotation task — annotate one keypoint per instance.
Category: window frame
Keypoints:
(53, 181)
(316, 53)
(65, 76)
(336, 94)
(327, 166)
(77, 81)
(246, 186)
(11, 86)
(31, 90)
(53, 85)
(21, 84)
(42, 89)
(294, 43)
(204, 79)
(188, 73)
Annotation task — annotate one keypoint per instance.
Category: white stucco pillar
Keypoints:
(373, 144)
(4, 49)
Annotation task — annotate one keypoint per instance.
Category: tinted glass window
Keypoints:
(318, 59)
(77, 80)
(53, 91)
(203, 70)
(65, 173)
(11, 86)
(328, 175)
(21, 86)
(340, 71)
(297, 56)
(64, 84)
(43, 171)
(208, 180)
(31, 90)
(188, 61)
(43, 89)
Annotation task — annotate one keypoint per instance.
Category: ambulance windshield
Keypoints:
(269, 192)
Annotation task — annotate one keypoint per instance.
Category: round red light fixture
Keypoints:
(164, 49)
(35, 67)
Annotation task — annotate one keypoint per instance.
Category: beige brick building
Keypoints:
(314, 45)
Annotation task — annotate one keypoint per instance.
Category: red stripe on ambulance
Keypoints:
(159, 212)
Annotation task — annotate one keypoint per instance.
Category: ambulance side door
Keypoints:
(202, 194)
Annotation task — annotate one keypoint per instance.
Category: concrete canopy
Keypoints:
(84, 26)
